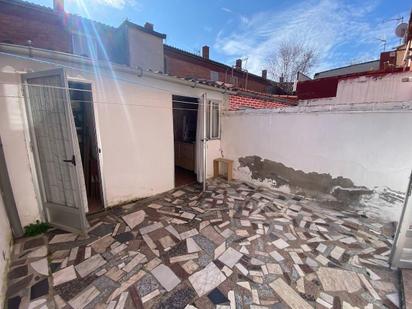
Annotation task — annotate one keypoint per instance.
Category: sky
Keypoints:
(341, 32)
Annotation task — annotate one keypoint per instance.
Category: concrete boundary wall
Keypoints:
(350, 148)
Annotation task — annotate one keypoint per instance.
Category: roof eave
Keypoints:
(25, 52)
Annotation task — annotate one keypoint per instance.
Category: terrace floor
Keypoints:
(236, 246)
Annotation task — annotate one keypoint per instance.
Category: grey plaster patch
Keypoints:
(280, 174)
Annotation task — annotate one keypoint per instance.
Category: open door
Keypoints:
(201, 142)
(56, 149)
(401, 256)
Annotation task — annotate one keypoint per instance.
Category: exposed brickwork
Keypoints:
(327, 87)
(241, 102)
(184, 64)
(49, 29)
(43, 27)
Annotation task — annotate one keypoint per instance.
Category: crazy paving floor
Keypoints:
(236, 246)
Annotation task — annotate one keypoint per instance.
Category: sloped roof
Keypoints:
(211, 83)
(225, 66)
(353, 68)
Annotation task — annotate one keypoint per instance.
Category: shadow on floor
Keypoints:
(233, 246)
(183, 177)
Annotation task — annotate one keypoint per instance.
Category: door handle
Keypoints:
(72, 160)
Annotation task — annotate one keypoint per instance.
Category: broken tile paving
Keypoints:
(235, 246)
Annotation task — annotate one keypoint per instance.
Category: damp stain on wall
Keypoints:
(280, 175)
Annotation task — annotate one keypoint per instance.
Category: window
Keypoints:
(213, 120)
(84, 45)
(214, 75)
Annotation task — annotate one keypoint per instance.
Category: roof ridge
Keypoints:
(52, 11)
(91, 20)
(220, 63)
(34, 5)
(188, 52)
(348, 66)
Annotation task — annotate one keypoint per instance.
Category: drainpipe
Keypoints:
(204, 141)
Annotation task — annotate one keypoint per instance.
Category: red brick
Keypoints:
(183, 64)
(43, 27)
(237, 102)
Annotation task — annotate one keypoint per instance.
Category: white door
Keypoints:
(56, 149)
(401, 256)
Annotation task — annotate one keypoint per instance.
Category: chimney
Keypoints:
(239, 64)
(149, 26)
(265, 74)
(205, 52)
(281, 79)
(58, 6)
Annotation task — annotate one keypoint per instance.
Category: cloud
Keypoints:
(227, 10)
(117, 4)
(241, 17)
(339, 31)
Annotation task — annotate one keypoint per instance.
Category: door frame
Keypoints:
(198, 98)
(33, 146)
(97, 134)
(402, 230)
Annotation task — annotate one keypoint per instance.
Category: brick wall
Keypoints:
(183, 64)
(179, 66)
(327, 87)
(19, 23)
(241, 102)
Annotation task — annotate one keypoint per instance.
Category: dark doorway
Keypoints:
(184, 127)
(82, 105)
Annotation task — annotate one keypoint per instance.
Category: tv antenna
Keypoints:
(398, 19)
(400, 22)
(245, 59)
(401, 30)
(383, 41)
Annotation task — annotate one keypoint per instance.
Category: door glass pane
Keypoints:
(52, 136)
(215, 120)
(207, 120)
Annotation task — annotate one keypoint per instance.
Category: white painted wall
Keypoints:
(134, 129)
(369, 89)
(5, 247)
(145, 50)
(13, 130)
(370, 148)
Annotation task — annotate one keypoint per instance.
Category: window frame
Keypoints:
(210, 118)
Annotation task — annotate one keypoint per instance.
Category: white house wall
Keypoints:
(5, 245)
(13, 130)
(134, 123)
(369, 148)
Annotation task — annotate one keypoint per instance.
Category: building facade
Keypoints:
(188, 65)
(23, 23)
